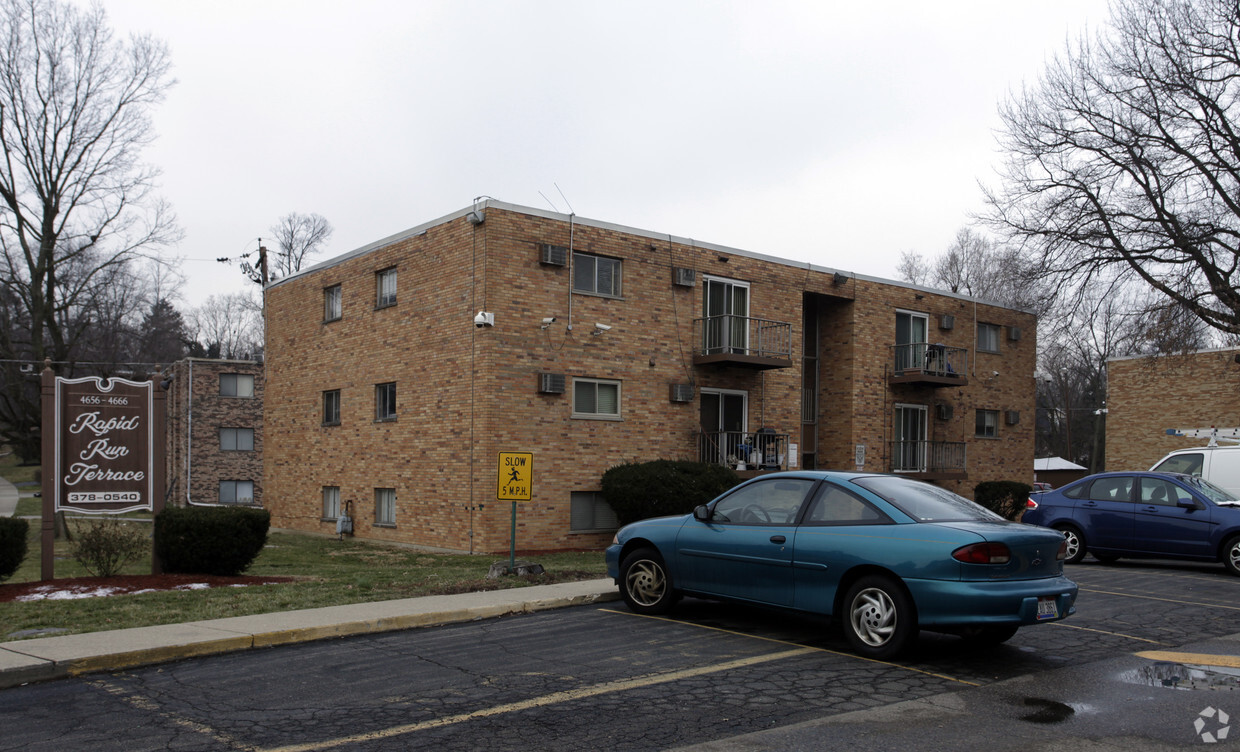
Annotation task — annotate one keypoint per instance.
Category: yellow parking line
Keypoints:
(785, 642)
(1103, 631)
(1197, 659)
(1164, 600)
(619, 685)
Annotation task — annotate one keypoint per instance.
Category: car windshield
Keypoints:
(924, 502)
(1208, 489)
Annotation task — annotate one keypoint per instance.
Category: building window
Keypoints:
(988, 337)
(987, 424)
(591, 513)
(237, 385)
(593, 398)
(236, 439)
(331, 407)
(911, 337)
(385, 401)
(596, 274)
(385, 506)
(725, 308)
(331, 303)
(909, 451)
(331, 502)
(385, 288)
(236, 492)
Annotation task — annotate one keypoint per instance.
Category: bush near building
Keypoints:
(638, 490)
(104, 547)
(210, 540)
(1003, 497)
(13, 534)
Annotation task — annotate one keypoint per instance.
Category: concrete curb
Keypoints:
(42, 659)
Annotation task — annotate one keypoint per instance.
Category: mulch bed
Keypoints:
(94, 587)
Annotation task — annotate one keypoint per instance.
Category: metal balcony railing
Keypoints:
(742, 450)
(928, 456)
(929, 362)
(727, 337)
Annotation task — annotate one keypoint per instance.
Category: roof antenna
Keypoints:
(554, 208)
(571, 210)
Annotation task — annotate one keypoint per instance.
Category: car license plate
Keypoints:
(1047, 609)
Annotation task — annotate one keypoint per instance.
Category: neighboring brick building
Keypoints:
(1146, 395)
(383, 392)
(215, 432)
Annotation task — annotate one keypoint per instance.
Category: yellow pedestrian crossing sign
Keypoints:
(515, 479)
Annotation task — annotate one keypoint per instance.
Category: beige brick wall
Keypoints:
(1146, 396)
(465, 394)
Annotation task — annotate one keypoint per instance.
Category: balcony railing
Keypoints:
(942, 459)
(741, 450)
(928, 363)
(743, 340)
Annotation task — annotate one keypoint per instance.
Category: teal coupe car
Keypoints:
(885, 555)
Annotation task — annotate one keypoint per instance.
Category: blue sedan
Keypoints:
(887, 555)
(1142, 514)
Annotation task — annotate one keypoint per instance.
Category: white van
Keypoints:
(1218, 464)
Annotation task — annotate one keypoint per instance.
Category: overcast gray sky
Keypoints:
(840, 133)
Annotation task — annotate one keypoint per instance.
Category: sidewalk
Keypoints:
(23, 661)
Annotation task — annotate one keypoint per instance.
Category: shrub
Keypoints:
(104, 547)
(13, 534)
(637, 490)
(210, 540)
(1003, 497)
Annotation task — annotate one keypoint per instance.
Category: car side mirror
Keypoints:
(701, 513)
(1188, 503)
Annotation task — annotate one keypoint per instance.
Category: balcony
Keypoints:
(742, 341)
(929, 364)
(929, 460)
(747, 453)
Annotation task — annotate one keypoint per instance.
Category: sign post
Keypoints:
(514, 482)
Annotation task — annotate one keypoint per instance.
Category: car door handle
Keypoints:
(778, 539)
(1151, 509)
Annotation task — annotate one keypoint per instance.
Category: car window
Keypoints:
(1077, 491)
(835, 506)
(924, 502)
(1161, 492)
(764, 502)
(1117, 488)
(1207, 489)
(1189, 464)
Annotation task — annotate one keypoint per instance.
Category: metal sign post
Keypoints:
(514, 482)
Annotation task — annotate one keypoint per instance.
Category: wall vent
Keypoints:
(551, 383)
(944, 411)
(681, 392)
(1013, 417)
(684, 277)
(947, 321)
(553, 255)
(1013, 333)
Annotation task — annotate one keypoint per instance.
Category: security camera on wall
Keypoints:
(484, 318)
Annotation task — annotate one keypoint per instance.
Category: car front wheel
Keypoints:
(879, 619)
(1231, 555)
(1076, 544)
(645, 584)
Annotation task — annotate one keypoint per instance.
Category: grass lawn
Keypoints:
(330, 573)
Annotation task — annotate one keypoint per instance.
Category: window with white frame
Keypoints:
(591, 513)
(988, 337)
(332, 309)
(909, 450)
(385, 288)
(236, 439)
(987, 424)
(331, 502)
(596, 274)
(385, 506)
(237, 385)
(331, 407)
(596, 398)
(385, 401)
(236, 492)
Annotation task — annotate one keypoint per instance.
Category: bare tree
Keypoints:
(913, 268)
(975, 265)
(227, 326)
(1124, 159)
(75, 200)
(298, 236)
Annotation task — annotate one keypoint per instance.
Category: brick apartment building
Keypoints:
(1148, 395)
(215, 432)
(597, 344)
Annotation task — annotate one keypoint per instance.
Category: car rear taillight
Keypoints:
(983, 553)
(1063, 550)
(1031, 504)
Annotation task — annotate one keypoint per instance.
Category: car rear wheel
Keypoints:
(645, 584)
(1076, 543)
(1231, 555)
(879, 618)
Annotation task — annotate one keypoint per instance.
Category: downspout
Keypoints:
(189, 433)
(570, 270)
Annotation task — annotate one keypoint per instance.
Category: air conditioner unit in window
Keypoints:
(947, 321)
(551, 383)
(681, 392)
(684, 277)
(553, 255)
(1013, 417)
(1013, 333)
(944, 411)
